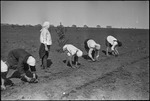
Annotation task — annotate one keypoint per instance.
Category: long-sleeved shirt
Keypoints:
(45, 37)
(18, 57)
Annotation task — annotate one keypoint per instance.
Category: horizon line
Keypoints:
(109, 26)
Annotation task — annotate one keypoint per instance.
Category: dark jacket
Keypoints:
(18, 57)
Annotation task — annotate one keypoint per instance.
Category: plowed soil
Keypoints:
(125, 77)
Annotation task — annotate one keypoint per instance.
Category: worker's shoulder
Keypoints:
(67, 45)
(110, 36)
(90, 41)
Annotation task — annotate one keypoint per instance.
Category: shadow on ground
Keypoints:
(110, 53)
(49, 63)
(68, 64)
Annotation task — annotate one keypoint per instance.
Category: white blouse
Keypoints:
(45, 37)
(71, 50)
(111, 39)
(91, 43)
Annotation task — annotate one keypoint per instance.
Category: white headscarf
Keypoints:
(31, 61)
(4, 67)
(46, 25)
(79, 53)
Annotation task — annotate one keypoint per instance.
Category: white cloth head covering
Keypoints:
(79, 53)
(4, 67)
(31, 61)
(97, 46)
(46, 24)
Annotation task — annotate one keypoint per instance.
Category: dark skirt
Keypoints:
(75, 58)
(42, 51)
(86, 45)
(107, 43)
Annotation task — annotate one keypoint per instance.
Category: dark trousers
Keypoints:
(85, 45)
(75, 59)
(44, 60)
(44, 55)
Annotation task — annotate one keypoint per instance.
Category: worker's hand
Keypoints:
(73, 66)
(33, 80)
(113, 52)
(46, 48)
(27, 78)
(91, 60)
(116, 52)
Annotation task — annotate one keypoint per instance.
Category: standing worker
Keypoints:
(46, 42)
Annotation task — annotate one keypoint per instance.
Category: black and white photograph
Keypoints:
(75, 50)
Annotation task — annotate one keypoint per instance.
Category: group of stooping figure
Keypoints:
(25, 64)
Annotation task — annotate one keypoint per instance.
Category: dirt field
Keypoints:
(124, 77)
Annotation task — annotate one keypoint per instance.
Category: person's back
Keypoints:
(17, 55)
(91, 43)
(70, 48)
(20, 53)
(111, 39)
(22, 61)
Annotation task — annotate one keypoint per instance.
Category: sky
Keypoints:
(118, 14)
